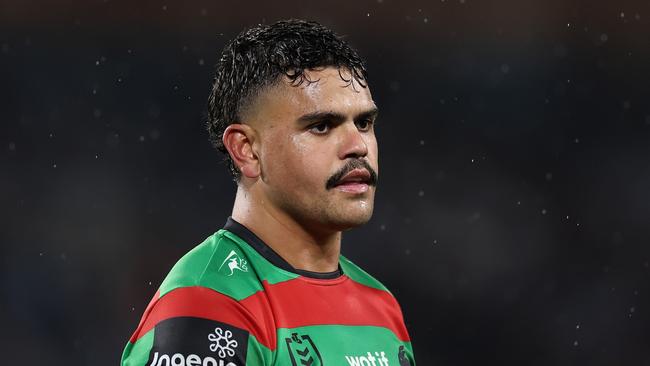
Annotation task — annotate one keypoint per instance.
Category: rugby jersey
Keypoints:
(233, 301)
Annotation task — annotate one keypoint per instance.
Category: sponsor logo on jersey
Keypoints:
(303, 351)
(234, 262)
(378, 359)
(221, 343)
(178, 359)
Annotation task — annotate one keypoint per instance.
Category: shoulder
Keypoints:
(218, 263)
(359, 275)
(197, 325)
(204, 301)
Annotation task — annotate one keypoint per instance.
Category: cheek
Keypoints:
(307, 162)
(373, 152)
(293, 163)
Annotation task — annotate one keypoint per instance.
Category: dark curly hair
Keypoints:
(258, 57)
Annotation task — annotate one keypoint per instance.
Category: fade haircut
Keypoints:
(260, 57)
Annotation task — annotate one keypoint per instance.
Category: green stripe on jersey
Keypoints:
(207, 265)
(265, 269)
(359, 275)
(257, 353)
(341, 345)
(137, 354)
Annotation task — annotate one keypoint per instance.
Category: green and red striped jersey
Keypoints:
(233, 301)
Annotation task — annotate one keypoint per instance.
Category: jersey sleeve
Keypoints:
(198, 326)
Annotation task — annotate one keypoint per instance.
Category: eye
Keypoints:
(364, 125)
(320, 128)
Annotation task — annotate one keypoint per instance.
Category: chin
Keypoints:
(351, 219)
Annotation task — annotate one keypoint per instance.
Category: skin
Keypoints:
(284, 164)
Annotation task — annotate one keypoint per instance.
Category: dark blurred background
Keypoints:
(512, 215)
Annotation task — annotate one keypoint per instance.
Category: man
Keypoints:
(291, 110)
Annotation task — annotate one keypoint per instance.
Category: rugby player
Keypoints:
(292, 112)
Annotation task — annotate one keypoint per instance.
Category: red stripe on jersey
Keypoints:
(302, 302)
(203, 302)
(295, 303)
(134, 336)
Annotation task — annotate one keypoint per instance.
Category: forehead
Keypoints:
(322, 90)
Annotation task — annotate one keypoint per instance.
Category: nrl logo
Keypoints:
(303, 351)
(234, 262)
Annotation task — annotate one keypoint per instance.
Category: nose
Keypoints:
(353, 143)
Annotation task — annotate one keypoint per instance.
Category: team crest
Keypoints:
(235, 262)
(303, 351)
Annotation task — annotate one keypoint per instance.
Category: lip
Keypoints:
(353, 187)
(356, 181)
(356, 176)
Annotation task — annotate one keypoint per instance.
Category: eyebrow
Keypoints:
(335, 117)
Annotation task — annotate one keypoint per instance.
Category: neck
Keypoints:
(301, 247)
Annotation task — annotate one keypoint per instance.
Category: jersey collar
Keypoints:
(267, 252)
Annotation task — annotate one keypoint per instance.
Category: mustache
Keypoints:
(348, 167)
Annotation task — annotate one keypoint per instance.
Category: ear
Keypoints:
(238, 140)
